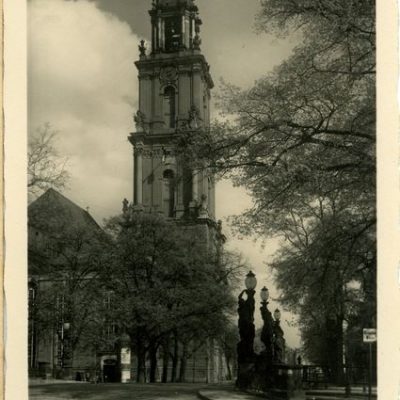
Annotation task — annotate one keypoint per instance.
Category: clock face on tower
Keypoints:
(168, 74)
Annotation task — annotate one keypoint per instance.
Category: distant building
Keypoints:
(60, 237)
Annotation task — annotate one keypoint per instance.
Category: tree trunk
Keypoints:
(141, 360)
(164, 378)
(175, 358)
(153, 361)
(182, 369)
(334, 349)
(228, 366)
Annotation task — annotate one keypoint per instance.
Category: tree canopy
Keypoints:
(46, 168)
(302, 142)
(168, 286)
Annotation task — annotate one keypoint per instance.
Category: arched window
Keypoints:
(168, 193)
(169, 107)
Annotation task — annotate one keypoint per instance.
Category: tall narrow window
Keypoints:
(169, 107)
(168, 193)
(173, 29)
(32, 325)
(109, 328)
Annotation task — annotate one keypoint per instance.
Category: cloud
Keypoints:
(81, 79)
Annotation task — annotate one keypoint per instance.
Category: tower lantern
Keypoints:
(175, 25)
(174, 99)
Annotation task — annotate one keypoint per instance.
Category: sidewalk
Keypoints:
(337, 392)
(334, 393)
(224, 394)
(50, 381)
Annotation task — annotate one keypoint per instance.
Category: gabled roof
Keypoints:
(52, 210)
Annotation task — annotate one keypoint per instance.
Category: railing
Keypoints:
(322, 376)
(316, 375)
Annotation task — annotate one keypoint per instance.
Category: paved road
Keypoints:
(87, 391)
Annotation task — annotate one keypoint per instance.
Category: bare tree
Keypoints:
(46, 168)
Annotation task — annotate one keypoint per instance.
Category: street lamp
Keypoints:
(246, 319)
(245, 347)
(277, 315)
(250, 281)
(267, 332)
(279, 340)
(264, 294)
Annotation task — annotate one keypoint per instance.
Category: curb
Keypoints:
(44, 382)
(202, 396)
(338, 396)
(311, 397)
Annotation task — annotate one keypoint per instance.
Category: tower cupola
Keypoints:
(175, 26)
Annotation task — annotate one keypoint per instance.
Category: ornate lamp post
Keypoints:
(250, 282)
(246, 320)
(267, 332)
(245, 350)
(279, 340)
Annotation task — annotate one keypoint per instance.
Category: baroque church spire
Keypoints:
(174, 99)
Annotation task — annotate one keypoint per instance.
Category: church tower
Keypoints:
(174, 99)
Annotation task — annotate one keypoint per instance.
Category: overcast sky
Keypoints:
(82, 80)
